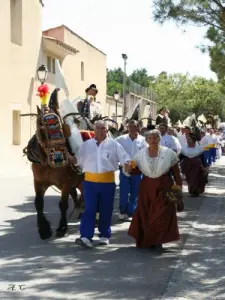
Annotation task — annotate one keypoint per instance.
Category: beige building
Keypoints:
(23, 49)
(82, 63)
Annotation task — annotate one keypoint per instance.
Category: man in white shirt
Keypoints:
(170, 132)
(182, 137)
(167, 140)
(205, 145)
(98, 159)
(212, 142)
(129, 183)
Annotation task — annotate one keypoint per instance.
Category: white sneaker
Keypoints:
(122, 217)
(103, 241)
(84, 242)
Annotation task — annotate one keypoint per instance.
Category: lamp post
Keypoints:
(125, 57)
(42, 74)
(43, 89)
(117, 98)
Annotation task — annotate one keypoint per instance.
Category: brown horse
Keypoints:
(49, 172)
(66, 178)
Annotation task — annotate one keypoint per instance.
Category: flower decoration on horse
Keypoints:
(43, 93)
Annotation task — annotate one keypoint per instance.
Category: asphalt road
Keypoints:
(58, 269)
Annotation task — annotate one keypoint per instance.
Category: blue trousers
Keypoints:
(128, 186)
(213, 154)
(207, 157)
(99, 195)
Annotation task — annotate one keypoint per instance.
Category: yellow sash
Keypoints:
(107, 177)
(212, 146)
(133, 164)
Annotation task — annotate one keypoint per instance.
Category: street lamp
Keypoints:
(125, 57)
(42, 74)
(117, 98)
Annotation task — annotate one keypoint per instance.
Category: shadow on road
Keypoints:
(58, 269)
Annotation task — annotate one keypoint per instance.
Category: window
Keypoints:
(16, 127)
(16, 21)
(82, 71)
(51, 64)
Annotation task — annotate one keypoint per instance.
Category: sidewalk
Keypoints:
(200, 271)
(14, 167)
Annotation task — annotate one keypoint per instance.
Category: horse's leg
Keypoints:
(63, 206)
(44, 227)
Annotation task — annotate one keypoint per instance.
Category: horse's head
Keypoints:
(48, 117)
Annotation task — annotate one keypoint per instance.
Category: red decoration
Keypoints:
(43, 90)
(87, 135)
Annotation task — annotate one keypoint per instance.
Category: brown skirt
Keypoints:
(195, 174)
(154, 221)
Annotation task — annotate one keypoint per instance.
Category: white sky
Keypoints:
(126, 26)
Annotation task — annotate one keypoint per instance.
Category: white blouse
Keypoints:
(192, 152)
(157, 166)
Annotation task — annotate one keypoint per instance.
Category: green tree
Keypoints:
(184, 95)
(181, 93)
(141, 77)
(114, 81)
(209, 13)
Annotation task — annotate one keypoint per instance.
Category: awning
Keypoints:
(57, 47)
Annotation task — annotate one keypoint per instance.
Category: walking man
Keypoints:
(166, 139)
(99, 160)
(132, 143)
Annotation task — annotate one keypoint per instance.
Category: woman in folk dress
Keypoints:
(155, 221)
(194, 166)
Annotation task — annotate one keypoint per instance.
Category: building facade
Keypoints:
(82, 69)
(24, 47)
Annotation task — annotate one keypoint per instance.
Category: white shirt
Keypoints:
(182, 139)
(168, 141)
(102, 158)
(156, 167)
(212, 139)
(132, 146)
(177, 144)
(215, 139)
(204, 142)
(94, 109)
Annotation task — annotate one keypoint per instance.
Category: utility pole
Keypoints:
(117, 98)
(124, 56)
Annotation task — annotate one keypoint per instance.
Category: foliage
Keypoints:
(209, 13)
(141, 77)
(181, 93)
(114, 81)
(184, 95)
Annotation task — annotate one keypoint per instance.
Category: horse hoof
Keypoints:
(61, 232)
(44, 235)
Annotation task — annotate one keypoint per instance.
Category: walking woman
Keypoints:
(194, 166)
(155, 222)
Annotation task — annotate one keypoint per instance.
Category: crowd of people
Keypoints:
(153, 166)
